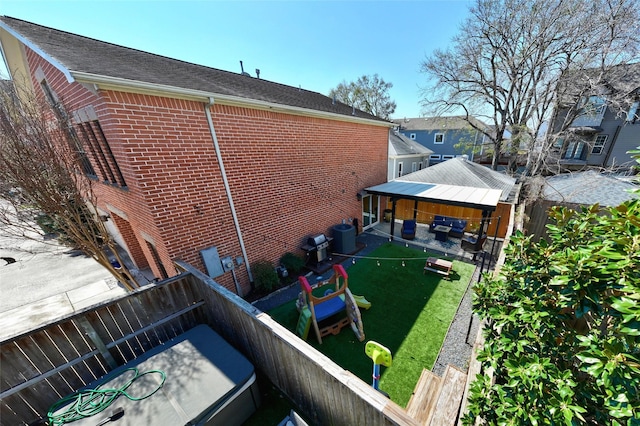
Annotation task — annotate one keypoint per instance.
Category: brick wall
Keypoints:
(290, 176)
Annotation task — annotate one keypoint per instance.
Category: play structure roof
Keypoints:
(463, 196)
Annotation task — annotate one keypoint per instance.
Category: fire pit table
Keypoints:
(442, 232)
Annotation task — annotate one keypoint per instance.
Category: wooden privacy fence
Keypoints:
(41, 366)
(538, 216)
(425, 213)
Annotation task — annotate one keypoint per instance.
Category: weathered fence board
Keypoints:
(448, 404)
(45, 364)
(424, 397)
(321, 389)
(41, 366)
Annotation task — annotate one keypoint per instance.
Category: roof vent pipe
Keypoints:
(257, 73)
(242, 70)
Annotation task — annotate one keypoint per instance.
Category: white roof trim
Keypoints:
(466, 196)
(117, 83)
(35, 48)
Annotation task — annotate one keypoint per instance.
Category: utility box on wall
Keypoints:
(227, 263)
(211, 260)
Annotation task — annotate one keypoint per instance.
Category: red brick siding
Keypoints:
(290, 176)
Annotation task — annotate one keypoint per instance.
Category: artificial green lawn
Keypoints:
(410, 314)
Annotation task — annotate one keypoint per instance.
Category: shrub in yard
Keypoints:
(47, 224)
(293, 263)
(563, 324)
(264, 275)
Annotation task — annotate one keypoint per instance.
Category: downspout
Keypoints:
(227, 189)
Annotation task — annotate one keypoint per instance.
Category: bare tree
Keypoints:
(505, 64)
(43, 178)
(369, 94)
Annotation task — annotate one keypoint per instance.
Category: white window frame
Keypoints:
(594, 105)
(434, 157)
(420, 165)
(435, 138)
(632, 115)
(448, 156)
(599, 144)
(399, 169)
(413, 136)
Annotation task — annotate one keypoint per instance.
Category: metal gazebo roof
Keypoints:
(464, 196)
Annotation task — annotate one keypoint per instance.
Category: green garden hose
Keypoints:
(87, 403)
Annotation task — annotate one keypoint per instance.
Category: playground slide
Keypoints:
(354, 315)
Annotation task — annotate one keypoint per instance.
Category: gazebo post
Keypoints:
(486, 217)
(393, 216)
(495, 237)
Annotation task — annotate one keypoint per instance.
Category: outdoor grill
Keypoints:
(316, 248)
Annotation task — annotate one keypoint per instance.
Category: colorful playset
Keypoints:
(329, 306)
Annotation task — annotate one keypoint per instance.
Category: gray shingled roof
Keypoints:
(437, 123)
(86, 55)
(588, 188)
(461, 172)
(405, 146)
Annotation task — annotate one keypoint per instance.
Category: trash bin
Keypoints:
(387, 215)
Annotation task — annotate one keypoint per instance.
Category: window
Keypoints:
(632, 115)
(157, 260)
(52, 99)
(414, 167)
(559, 143)
(420, 165)
(434, 157)
(90, 132)
(61, 114)
(575, 150)
(438, 138)
(412, 136)
(448, 157)
(594, 105)
(598, 145)
(399, 169)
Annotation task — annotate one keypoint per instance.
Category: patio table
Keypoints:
(442, 232)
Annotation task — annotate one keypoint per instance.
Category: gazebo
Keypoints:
(483, 199)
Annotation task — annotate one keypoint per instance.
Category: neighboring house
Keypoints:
(606, 127)
(463, 173)
(405, 155)
(447, 137)
(577, 190)
(192, 161)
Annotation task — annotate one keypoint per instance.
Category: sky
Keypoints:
(313, 44)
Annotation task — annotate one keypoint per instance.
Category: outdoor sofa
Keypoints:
(457, 225)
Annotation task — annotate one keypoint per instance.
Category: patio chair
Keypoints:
(408, 230)
(470, 243)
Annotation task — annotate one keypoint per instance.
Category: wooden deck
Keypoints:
(436, 401)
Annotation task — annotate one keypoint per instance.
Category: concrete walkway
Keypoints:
(47, 281)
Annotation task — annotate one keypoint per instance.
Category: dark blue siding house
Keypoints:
(447, 137)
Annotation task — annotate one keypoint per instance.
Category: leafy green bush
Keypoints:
(264, 275)
(563, 324)
(47, 224)
(293, 263)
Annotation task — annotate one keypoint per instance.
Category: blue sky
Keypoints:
(312, 44)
